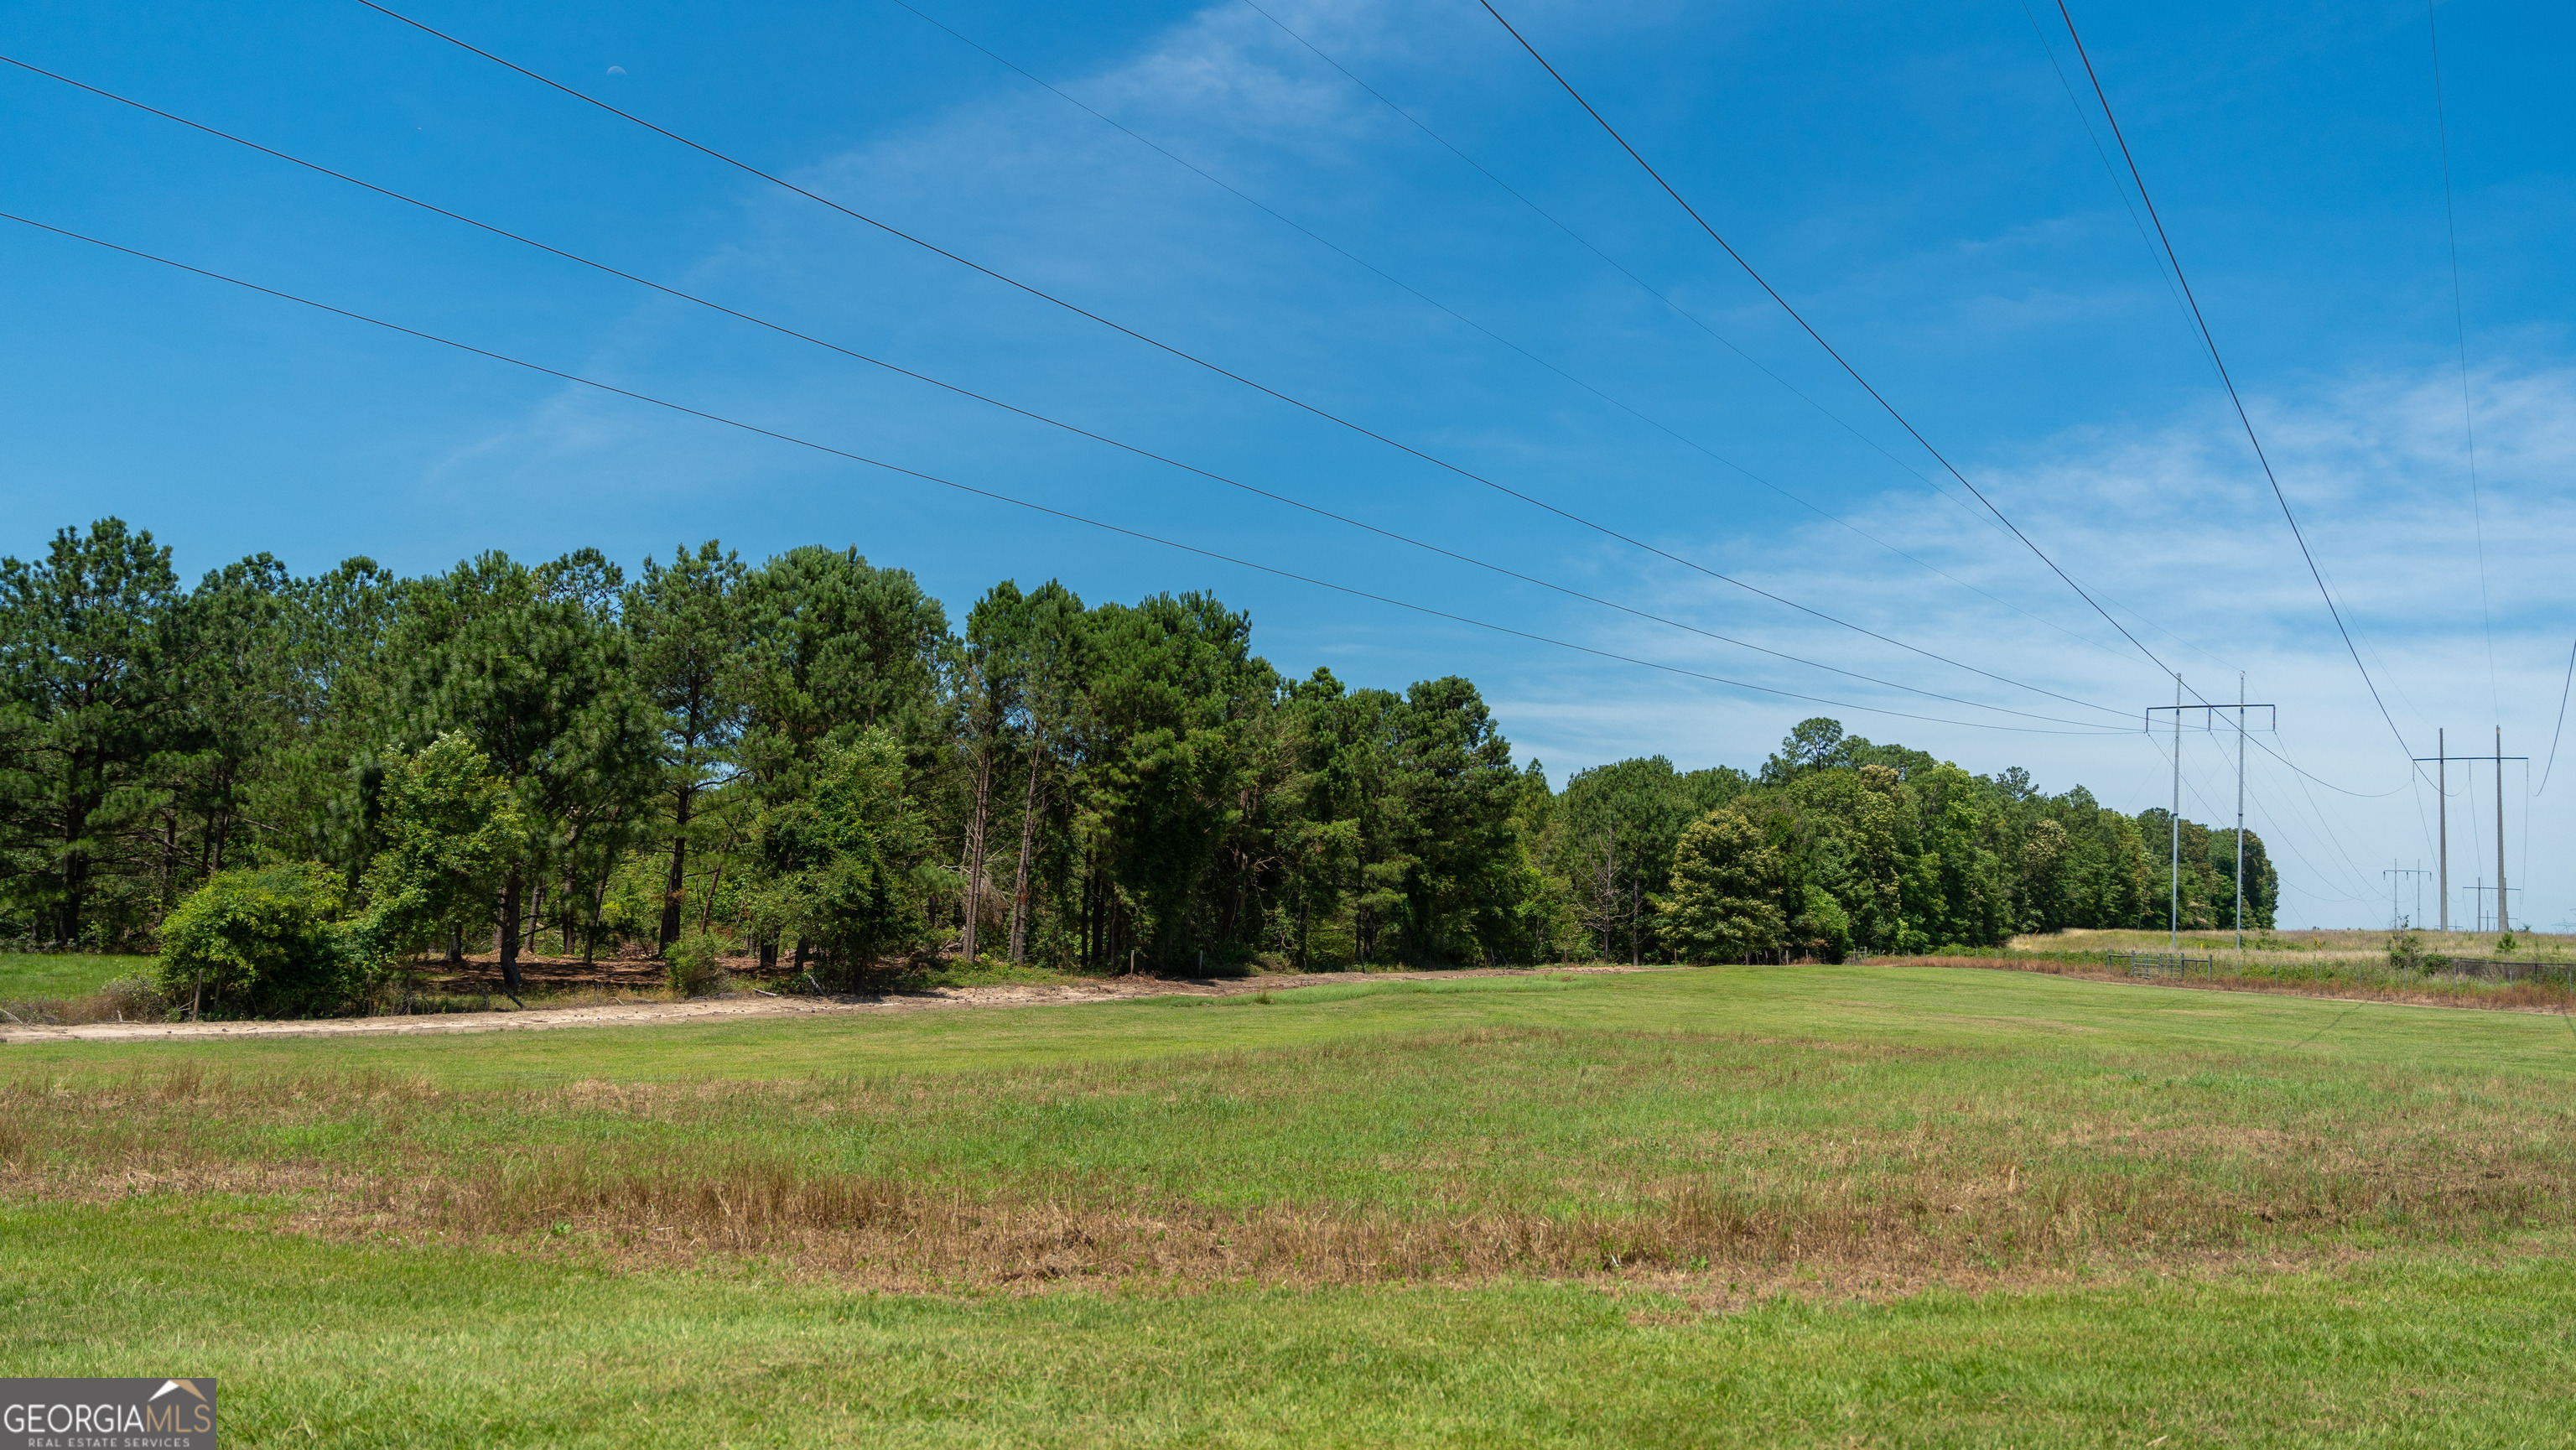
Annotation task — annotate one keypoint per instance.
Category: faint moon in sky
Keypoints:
(617, 70)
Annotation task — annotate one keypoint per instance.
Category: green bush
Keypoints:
(693, 967)
(268, 942)
(136, 999)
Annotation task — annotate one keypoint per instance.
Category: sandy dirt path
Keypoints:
(745, 1007)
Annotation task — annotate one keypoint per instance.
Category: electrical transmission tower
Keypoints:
(2442, 790)
(2416, 871)
(2174, 823)
(2477, 896)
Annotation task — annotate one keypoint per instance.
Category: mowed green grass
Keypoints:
(29, 976)
(1903, 1007)
(362, 1346)
(2254, 1220)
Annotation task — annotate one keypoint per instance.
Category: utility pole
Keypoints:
(2240, 812)
(2442, 784)
(2477, 895)
(2394, 872)
(2206, 721)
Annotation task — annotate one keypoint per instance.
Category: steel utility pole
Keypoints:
(2477, 895)
(2240, 707)
(2442, 788)
(2393, 872)
(2240, 812)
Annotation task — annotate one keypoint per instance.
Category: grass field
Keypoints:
(2333, 944)
(1737, 1205)
(39, 976)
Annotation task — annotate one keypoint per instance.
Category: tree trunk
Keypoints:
(676, 882)
(590, 928)
(1090, 922)
(509, 930)
(1028, 836)
(536, 915)
(974, 893)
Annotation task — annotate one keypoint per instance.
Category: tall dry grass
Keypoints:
(1895, 1183)
(2427, 991)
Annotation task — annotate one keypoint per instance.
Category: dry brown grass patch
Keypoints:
(2503, 997)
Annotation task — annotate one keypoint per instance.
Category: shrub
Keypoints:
(693, 966)
(267, 943)
(136, 999)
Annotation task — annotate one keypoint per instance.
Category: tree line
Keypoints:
(810, 759)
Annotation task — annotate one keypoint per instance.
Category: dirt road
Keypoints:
(726, 1009)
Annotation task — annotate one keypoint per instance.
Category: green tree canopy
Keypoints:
(1724, 901)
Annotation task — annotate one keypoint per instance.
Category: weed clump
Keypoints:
(695, 966)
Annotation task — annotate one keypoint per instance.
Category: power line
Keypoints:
(2165, 277)
(1702, 324)
(2333, 837)
(2279, 755)
(2192, 787)
(2460, 322)
(1429, 301)
(2562, 720)
(1795, 316)
(2211, 342)
(2105, 158)
(1193, 359)
(999, 497)
(1075, 429)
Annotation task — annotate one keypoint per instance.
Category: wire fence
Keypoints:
(2501, 969)
(2162, 964)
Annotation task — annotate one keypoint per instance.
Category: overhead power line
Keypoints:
(2460, 325)
(2113, 177)
(999, 497)
(1891, 410)
(2210, 340)
(2562, 720)
(1432, 302)
(1795, 316)
(1034, 416)
(1695, 320)
(1336, 419)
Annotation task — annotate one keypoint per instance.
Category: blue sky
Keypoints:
(1917, 180)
